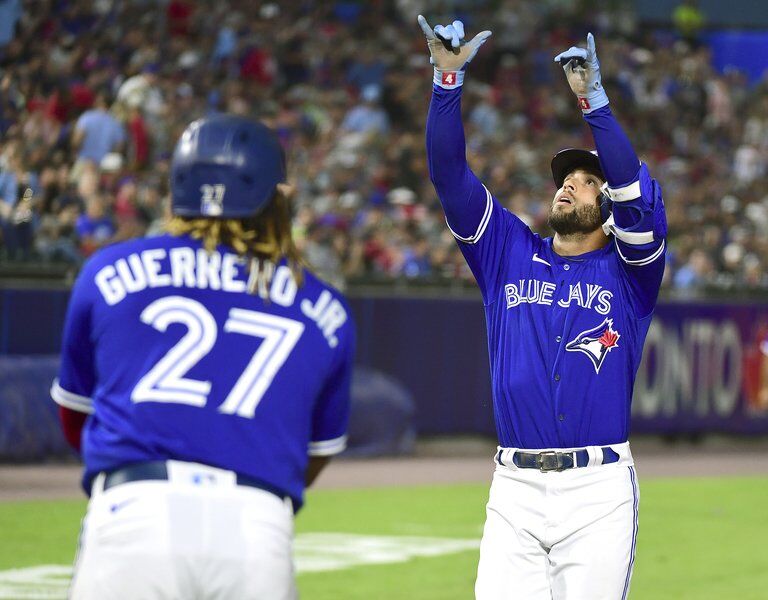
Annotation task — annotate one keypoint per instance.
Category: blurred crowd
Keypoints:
(94, 94)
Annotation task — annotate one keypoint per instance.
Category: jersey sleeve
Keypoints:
(74, 386)
(485, 231)
(331, 415)
(638, 221)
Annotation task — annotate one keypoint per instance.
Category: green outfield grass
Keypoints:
(699, 539)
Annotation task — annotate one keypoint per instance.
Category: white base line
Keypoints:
(313, 552)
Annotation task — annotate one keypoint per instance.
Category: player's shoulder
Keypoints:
(520, 225)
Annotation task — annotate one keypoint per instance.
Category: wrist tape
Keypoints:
(448, 79)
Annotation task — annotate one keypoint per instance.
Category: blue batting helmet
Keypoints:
(225, 166)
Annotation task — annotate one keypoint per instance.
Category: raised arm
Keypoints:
(637, 220)
(464, 199)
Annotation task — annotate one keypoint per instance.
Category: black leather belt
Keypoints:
(551, 460)
(158, 471)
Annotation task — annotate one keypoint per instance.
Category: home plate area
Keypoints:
(313, 552)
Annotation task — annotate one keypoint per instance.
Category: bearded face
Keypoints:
(575, 208)
(584, 218)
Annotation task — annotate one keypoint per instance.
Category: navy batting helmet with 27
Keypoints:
(225, 166)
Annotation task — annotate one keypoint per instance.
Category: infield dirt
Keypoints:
(439, 461)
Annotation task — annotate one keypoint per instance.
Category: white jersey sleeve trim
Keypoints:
(634, 238)
(473, 239)
(71, 400)
(328, 447)
(623, 194)
(640, 262)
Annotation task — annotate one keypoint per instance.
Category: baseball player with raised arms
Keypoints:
(214, 370)
(567, 317)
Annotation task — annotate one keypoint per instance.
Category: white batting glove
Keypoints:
(582, 70)
(448, 53)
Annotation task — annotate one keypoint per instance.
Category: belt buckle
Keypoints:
(549, 461)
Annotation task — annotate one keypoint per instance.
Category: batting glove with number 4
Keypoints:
(449, 53)
(582, 69)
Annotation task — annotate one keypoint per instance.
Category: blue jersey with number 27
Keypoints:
(175, 359)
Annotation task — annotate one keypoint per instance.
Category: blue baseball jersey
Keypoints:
(175, 359)
(565, 333)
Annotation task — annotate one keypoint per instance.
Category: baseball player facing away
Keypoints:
(567, 317)
(215, 373)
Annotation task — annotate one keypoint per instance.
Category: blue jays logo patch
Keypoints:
(596, 343)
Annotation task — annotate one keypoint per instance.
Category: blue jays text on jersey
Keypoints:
(534, 291)
(175, 359)
(565, 333)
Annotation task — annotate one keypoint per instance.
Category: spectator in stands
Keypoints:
(367, 69)
(94, 228)
(485, 116)
(56, 239)
(226, 41)
(696, 272)
(138, 139)
(97, 132)
(179, 14)
(9, 184)
(416, 260)
(347, 121)
(142, 92)
(368, 116)
(17, 189)
(10, 13)
(111, 173)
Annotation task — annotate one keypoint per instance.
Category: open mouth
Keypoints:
(564, 200)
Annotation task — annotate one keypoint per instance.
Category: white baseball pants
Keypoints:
(567, 535)
(158, 540)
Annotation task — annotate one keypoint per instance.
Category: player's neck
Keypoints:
(579, 243)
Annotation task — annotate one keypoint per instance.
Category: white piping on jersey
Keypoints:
(633, 547)
(328, 447)
(622, 194)
(635, 238)
(71, 400)
(641, 261)
(473, 239)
